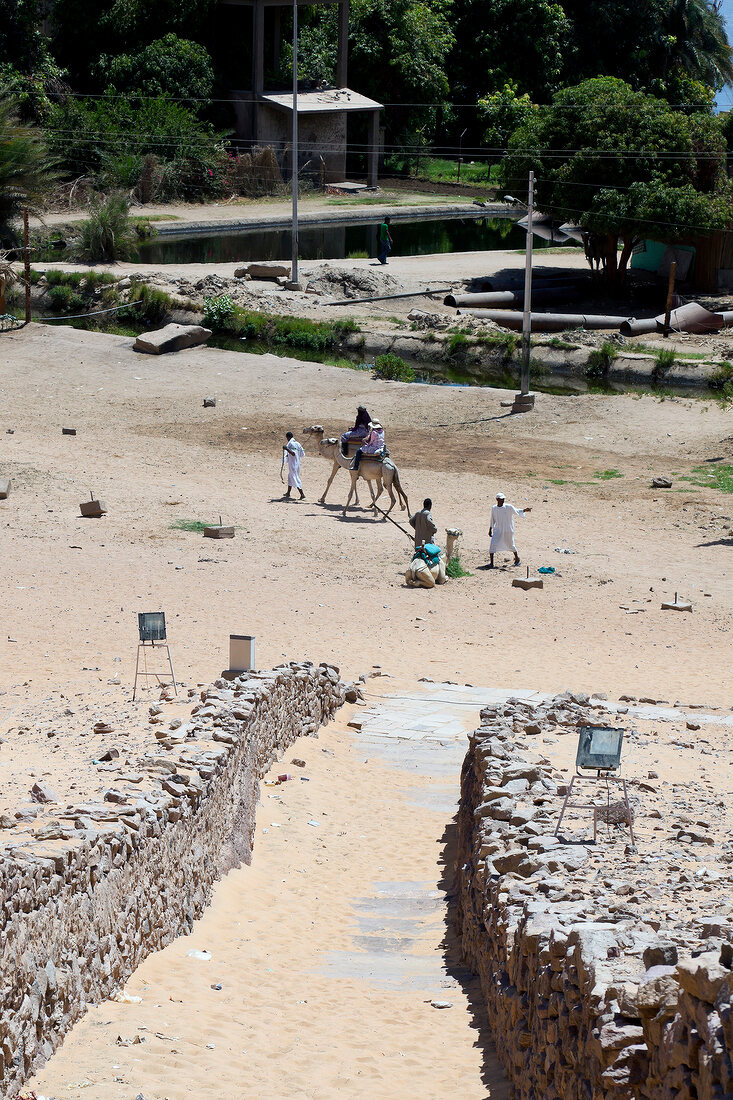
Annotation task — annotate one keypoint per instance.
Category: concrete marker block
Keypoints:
(93, 508)
(677, 605)
(528, 582)
(218, 532)
(68, 431)
(4, 488)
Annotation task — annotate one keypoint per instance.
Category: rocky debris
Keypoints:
(41, 793)
(661, 483)
(348, 282)
(172, 337)
(601, 972)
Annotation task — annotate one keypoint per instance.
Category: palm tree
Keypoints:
(691, 40)
(25, 172)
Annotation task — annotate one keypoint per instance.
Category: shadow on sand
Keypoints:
(492, 1074)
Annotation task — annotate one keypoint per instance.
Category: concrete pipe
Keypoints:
(546, 322)
(638, 326)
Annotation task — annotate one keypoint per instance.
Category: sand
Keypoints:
(309, 582)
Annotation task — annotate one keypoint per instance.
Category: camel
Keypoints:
(384, 473)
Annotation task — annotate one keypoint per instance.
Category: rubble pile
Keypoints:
(607, 969)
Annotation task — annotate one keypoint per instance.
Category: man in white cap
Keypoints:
(502, 528)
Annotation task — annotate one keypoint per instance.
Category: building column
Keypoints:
(258, 48)
(342, 62)
(373, 155)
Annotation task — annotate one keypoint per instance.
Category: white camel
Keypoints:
(383, 472)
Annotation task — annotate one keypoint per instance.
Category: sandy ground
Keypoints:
(311, 582)
(308, 581)
(326, 955)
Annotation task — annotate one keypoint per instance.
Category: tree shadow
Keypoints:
(492, 1075)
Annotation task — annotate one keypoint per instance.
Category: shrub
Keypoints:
(107, 233)
(600, 360)
(218, 313)
(55, 277)
(64, 299)
(155, 307)
(391, 368)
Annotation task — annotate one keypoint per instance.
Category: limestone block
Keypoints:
(262, 271)
(702, 976)
(171, 338)
(94, 508)
(4, 488)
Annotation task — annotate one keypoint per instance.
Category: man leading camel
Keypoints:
(502, 528)
(423, 524)
(294, 453)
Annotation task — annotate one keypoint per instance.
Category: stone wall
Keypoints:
(79, 915)
(584, 1003)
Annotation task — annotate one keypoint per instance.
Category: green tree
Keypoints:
(525, 43)
(502, 113)
(397, 55)
(25, 173)
(624, 165)
(169, 66)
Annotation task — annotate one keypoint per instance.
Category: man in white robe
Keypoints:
(294, 453)
(502, 528)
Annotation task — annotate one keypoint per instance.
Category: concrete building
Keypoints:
(264, 117)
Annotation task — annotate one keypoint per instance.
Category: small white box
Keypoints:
(241, 652)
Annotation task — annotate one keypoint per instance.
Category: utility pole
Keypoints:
(27, 267)
(524, 400)
(294, 270)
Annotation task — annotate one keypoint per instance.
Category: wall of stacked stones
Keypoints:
(78, 918)
(580, 1008)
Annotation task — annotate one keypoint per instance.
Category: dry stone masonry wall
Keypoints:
(593, 990)
(117, 879)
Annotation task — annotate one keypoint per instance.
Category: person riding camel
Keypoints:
(373, 444)
(359, 431)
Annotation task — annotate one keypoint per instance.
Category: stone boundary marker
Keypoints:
(79, 917)
(581, 1007)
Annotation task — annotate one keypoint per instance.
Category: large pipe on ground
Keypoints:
(511, 297)
(638, 326)
(545, 322)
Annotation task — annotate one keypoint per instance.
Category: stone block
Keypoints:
(262, 271)
(528, 582)
(4, 488)
(171, 338)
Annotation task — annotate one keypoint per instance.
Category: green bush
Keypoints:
(600, 360)
(455, 570)
(109, 138)
(218, 313)
(456, 343)
(64, 299)
(392, 368)
(155, 307)
(107, 234)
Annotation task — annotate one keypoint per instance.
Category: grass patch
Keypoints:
(443, 170)
(358, 254)
(455, 570)
(607, 475)
(194, 525)
(561, 345)
(457, 342)
(282, 331)
(712, 477)
(721, 382)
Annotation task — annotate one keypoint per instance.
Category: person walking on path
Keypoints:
(385, 240)
(502, 529)
(294, 454)
(423, 524)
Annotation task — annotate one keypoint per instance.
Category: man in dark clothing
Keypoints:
(385, 240)
(423, 523)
